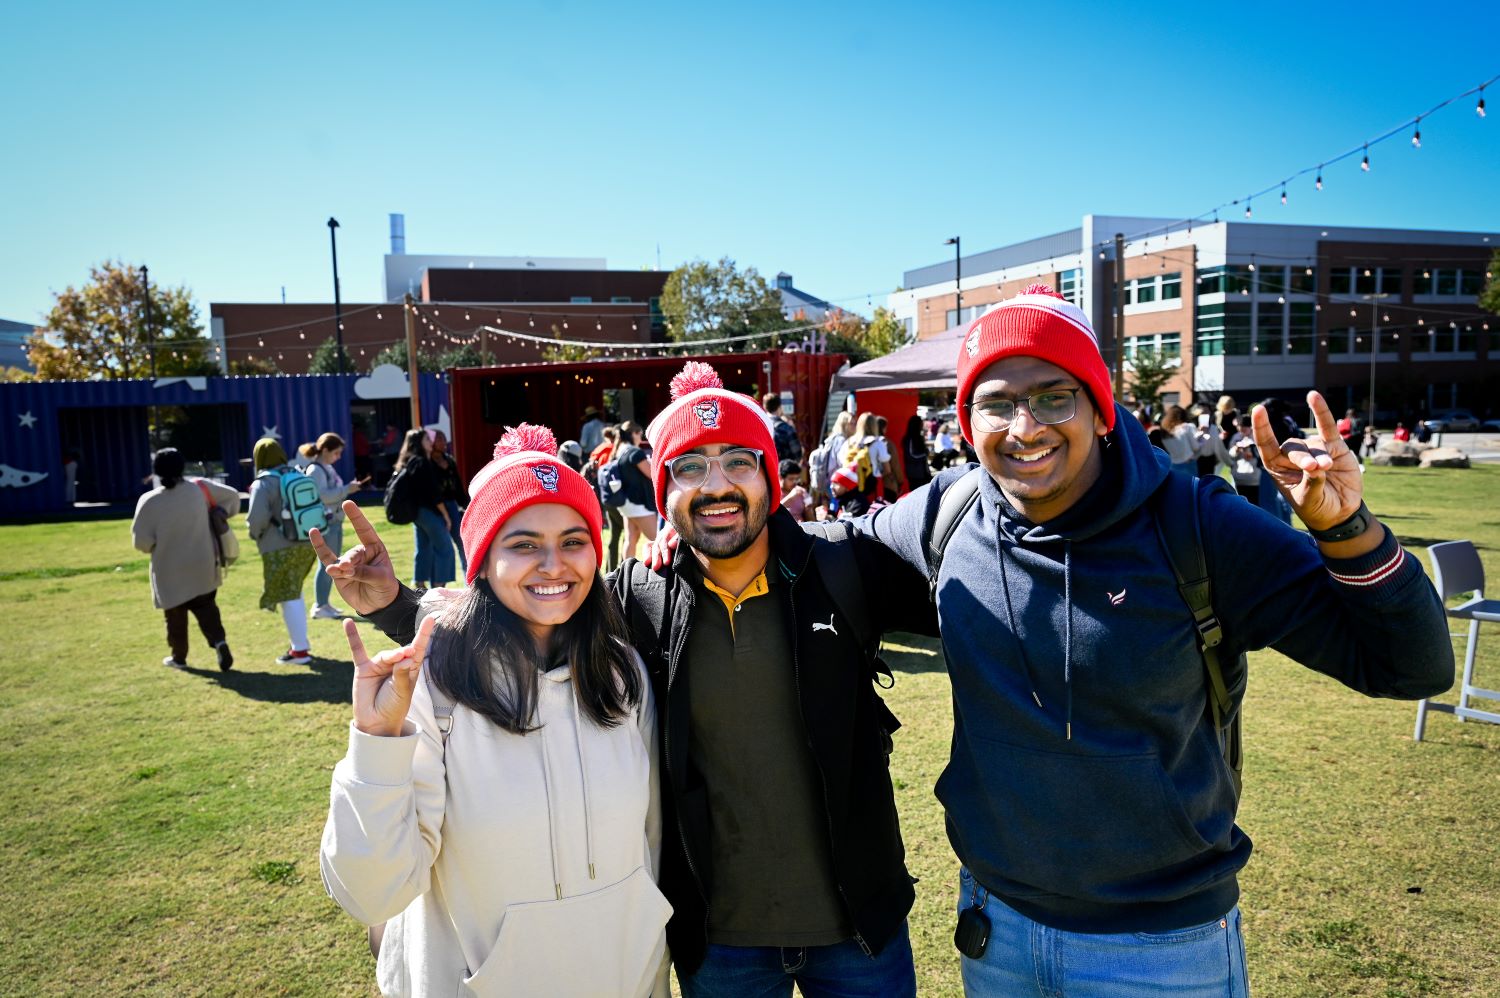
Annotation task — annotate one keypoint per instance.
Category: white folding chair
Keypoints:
(1456, 569)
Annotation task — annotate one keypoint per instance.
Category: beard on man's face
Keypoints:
(721, 542)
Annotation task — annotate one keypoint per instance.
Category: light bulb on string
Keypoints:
(379, 316)
(531, 321)
(1319, 182)
(1247, 208)
(1416, 135)
(1364, 164)
(1283, 193)
(1479, 108)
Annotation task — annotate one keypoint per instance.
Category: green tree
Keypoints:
(253, 365)
(704, 300)
(864, 339)
(1489, 298)
(396, 354)
(1149, 371)
(100, 330)
(466, 355)
(325, 359)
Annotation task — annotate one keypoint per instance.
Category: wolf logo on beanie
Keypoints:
(547, 475)
(707, 412)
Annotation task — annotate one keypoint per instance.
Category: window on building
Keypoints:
(581, 300)
(1239, 279)
(1272, 280)
(1268, 332)
(1210, 281)
(1390, 280)
(1364, 280)
(620, 299)
(950, 317)
(1208, 338)
(1171, 286)
(1341, 281)
(1463, 339)
(1167, 345)
(1339, 339)
(1446, 282)
(1237, 329)
(1142, 290)
(1304, 280)
(1070, 285)
(1470, 283)
(1301, 328)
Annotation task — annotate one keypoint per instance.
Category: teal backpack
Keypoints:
(301, 504)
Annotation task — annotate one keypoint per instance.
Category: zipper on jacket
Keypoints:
(674, 654)
(791, 598)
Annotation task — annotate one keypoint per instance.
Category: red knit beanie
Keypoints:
(847, 477)
(704, 412)
(525, 472)
(1038, 322)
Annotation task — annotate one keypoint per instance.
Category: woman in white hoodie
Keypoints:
(499, 799)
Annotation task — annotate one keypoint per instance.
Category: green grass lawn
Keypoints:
(161, 828)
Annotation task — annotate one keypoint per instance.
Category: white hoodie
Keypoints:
(518, 864)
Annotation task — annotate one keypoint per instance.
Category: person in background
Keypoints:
(848, 501)
(793, 496)
(1228, 417)
(914, 454)
(1244, 462)
(360, 442)
(947, 452)
(639, 510)
(324, 454)
(451, 493)
(591, 434)
(892, 483)
(830, 458)
(172, 525)
(433, 561)
(570, 452)
(598, 458)
(1210, 449)
(1401, 433)
(1284, 428)
(788, 444)
(1372, 440)
(866, 438)
(1179, 441)
(285, 561)
(508, 776)
(1349, 433)
(70, 476)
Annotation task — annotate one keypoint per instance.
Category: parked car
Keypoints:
(1452, 421)
(1490, 426)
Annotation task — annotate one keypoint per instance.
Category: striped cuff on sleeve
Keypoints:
(1386, 568)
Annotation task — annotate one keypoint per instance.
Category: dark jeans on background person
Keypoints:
(456, 518)
(333, 536)
(205, 609)
(433, 561)
(838, 971)
(616, 529)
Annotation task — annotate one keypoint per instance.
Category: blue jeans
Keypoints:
(1027, 958)
(1271, 499)
(433, 563)
(456, 517)
(333, 536)
(838, 971)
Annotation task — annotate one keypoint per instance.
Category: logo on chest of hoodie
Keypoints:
(1115, 599)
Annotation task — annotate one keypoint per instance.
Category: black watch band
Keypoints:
(1351, 528)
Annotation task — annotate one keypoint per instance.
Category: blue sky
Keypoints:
(842, 144)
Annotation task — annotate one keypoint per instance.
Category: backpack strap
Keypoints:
(648, 603)
(954, 504)
(442, 703)
(1179, 527)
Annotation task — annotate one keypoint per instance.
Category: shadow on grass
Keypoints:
(326, 680)
(912, 653)
(1409, 541)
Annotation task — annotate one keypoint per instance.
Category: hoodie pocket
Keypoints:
(1084, 826)
(609, 942)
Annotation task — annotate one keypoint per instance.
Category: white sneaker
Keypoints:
(326, 611)
(296, 657)
(172, 663)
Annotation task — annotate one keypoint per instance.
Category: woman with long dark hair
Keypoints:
(432, 564)
(499, 794)
(914, 454)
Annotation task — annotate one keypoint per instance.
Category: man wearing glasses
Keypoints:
(782, 859)
(1087, 795)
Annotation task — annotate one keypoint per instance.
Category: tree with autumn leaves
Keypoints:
(101, 330)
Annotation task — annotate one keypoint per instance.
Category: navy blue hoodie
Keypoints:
(1086, 787)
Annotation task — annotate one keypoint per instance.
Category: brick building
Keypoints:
(1252, 310)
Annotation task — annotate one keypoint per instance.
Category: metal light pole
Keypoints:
(958, 288)
(146, 296)
(338, 316)
(1374, 301)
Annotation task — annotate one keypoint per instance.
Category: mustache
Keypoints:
(706, 502)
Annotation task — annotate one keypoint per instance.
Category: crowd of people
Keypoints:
(683, 764)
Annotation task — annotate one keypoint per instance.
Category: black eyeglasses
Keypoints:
(1053, 406)
(739, 464)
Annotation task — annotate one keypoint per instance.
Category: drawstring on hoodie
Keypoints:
(588, 818)
(1010, 613)
(583, 766)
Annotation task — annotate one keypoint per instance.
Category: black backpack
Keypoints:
(1174, 507)
(401, 497)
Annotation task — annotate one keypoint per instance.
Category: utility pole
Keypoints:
(1119, 314)
(1374, 301)
(146, 296)
(411, 361)
(958, 277)
(338, 316)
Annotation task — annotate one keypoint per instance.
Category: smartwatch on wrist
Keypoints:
(1351, 528)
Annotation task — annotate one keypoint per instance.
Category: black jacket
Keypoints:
(848, 726)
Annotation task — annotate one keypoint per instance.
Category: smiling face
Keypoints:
(1042, 469)
(541, 565)
(719, 519)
